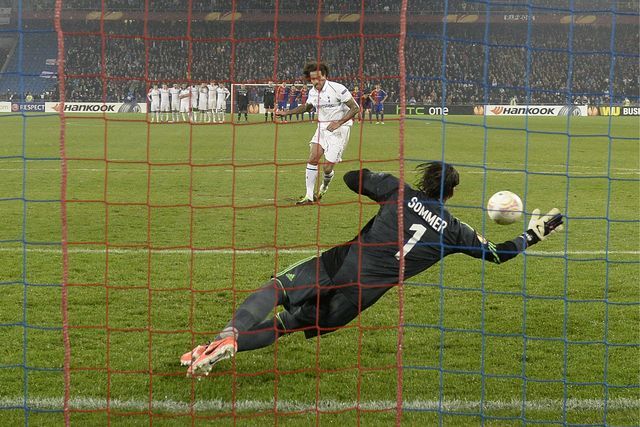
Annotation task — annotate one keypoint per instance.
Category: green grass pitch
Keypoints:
(155, 211)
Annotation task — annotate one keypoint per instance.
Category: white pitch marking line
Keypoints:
(240, 251)
(240, 169)
(168, 405)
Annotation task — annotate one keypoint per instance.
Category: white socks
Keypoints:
(311, 175)
(327, 179)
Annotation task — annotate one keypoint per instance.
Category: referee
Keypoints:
(268, 98)
(242, 102)
(324, 293)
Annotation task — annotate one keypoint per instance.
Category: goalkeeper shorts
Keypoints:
(312, 303)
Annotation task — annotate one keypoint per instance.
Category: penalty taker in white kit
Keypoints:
(324, 293)
(336, 109)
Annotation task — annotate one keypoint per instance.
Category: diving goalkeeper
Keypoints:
(326, 292)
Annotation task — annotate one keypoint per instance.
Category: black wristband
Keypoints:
(530, 237)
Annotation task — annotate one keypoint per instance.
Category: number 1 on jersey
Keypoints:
(418, 230)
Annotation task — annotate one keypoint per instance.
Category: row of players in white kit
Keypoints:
(204, 103)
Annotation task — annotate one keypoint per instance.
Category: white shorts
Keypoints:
(155, 106)
(211, 103)
(221, 106)
(202, 106)
(333, 143)
(165, 106)
(175, 106)
(184, 107)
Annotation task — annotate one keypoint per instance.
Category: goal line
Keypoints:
(218, 405)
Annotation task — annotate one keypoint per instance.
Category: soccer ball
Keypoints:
(504, 207)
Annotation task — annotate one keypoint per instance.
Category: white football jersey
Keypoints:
(330, 103)
(184, 94)
(223, 93)
(154, 96)
(194, 95)
(212, 93)
(202, 99)
(185, 101)
(164, 96)
(175, 92)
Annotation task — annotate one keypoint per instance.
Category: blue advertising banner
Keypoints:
(25, 107)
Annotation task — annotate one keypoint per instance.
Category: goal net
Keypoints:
(127, 241)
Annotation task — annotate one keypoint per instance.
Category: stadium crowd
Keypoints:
(338, 6)
(538, 63)
(553, 68)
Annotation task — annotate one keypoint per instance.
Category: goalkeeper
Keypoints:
(326, 292)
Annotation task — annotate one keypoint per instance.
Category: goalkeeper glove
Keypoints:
(541, 227)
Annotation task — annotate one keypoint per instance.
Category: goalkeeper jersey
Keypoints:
(369, 264)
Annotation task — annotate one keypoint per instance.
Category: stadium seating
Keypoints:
(330, 6)
(129, 61)
(31, 73)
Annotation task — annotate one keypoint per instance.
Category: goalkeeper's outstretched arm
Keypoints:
(539, 228)
(461, 237)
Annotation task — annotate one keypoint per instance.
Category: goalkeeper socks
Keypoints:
(261, 335)
(310, 179)
(327, 178)
(254, 309)
(228, 332)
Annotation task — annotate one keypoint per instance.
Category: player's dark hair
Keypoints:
(315, 66)
(431, 182)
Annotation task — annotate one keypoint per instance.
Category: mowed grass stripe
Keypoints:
(241, 251)
(87, 403)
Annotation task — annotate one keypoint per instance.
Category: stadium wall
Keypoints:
(410, 110)
(513, 110)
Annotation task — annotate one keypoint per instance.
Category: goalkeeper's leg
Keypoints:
(335, 311)
(304, 310)
(255, 308)
(250, 314)
(262, 335)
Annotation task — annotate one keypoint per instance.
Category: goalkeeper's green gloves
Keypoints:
(541, 227)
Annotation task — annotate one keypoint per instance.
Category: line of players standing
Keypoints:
(203, 103)
(371, 102)
(207, 103)
(284, 97)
